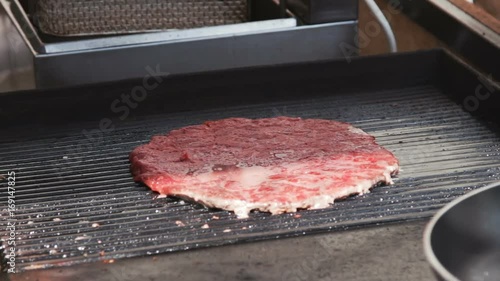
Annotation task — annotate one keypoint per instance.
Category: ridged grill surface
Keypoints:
(76, 200)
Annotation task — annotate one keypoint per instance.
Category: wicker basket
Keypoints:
(100, 17)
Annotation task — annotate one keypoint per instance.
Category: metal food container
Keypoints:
(96, 17)
(462, 241)
(270, 36)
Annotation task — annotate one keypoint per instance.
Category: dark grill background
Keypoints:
(76, 200)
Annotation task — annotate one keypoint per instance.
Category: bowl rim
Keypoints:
(436, 265)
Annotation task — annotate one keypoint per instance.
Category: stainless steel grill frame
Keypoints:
(76, 201)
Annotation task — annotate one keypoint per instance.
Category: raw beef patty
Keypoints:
(274, 164)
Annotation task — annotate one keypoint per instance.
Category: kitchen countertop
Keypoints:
(389, 253)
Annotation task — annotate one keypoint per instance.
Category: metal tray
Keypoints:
(76, 201)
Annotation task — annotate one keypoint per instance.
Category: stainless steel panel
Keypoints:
(305, 43)
(173, 35)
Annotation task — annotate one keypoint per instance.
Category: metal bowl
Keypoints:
(462, 241)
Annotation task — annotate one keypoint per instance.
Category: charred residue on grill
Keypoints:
(3, 259)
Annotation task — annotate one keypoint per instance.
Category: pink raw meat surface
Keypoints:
(273, 164)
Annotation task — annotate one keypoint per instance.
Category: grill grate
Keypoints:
(76, 201)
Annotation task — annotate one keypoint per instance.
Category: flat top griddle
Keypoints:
(76, 201)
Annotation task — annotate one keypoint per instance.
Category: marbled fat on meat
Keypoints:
(273, 164)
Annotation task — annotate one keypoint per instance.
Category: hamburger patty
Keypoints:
(273, 164)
